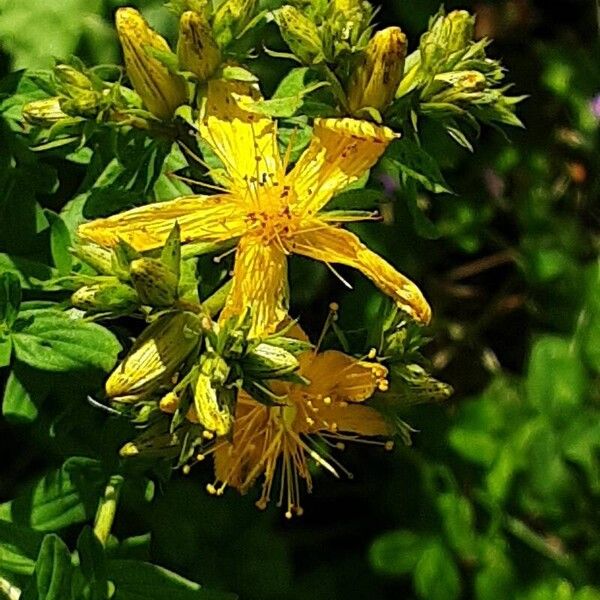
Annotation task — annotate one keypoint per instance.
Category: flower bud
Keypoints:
(300, 34)
(269, 362)
(213, 402)
(447, 35)
(160, 90)
(197, 50)
(85, 103)
(108, 296)
(376, 78)
(465, 81)
(43, 112)
(231, 18)
(98, 257)
(349, 20)
(69, 76)
(461, 26)
(155, 284)
(154, 357)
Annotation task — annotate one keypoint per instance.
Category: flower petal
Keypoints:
(340, 377)
(260, 286)
(354, 418)
(245, 142)
(201, 219)
(333, 245)
(340, 151)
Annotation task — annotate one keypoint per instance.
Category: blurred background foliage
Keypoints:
(498, 495)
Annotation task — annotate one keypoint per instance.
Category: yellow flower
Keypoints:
(271, 211)
(277, 443)
(160, 90)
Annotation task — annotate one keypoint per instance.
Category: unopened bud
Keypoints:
(160, 90)
(169, 403)
(375, 80)
(213, 402)
(101, 259)
(447, 35)
(300, 34)
(197, 50)
(102, 297)
(43, 112)
(464, 81)
(349, 21)
(68, 75)
(269, 362)
(461, 25)
(231, 18)
(86, 103)
(155, 284)
(155, 356)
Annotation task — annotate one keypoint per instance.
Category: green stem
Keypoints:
(8, 590)
(107, 508)
(213, 304)
(540, 544)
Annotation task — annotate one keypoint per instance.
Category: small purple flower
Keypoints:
(390, 185)
(595, 106)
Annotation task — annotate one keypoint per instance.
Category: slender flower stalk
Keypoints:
(270, 211)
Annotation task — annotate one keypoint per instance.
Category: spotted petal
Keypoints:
(259, 286)
(332, 245)
(340, 152)
(245, 142)
(211, 219)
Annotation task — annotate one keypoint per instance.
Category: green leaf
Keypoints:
(458, 522)
(496, 578)
(52, 341)
(53, 572)
(63, 497)
(417, 164)
(436, 576)
(5, 349)
(93, 565)
(10, 298)
(476, 446)
(60, 243)
(135, 580)
(19, 405)
(19, 547)
(29, 272)
(397, 552)
(556, 379)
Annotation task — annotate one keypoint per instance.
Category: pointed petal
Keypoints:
(201, 219)
(332, 245)
(259, 286)
(340, 377)
(245, 142)
(340, 152)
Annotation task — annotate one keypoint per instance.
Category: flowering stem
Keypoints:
(107, 508)
(213, 304)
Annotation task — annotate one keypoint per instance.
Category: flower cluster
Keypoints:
(233, 375)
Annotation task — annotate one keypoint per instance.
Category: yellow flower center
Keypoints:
(273, 219)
